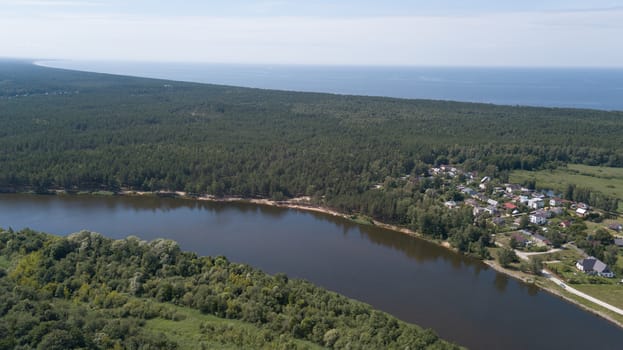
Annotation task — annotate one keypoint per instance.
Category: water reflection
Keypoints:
(461, 298)
(500, 282)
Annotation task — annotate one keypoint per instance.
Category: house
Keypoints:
(535, 203)
(581, 212)
(542, 239)
(523, 199)
(565, 224)
(499, 221)
(554, 202)
(468, 191)
(450, 204)
(510, 206)
(510, 188)
(481, 197)
(618, 242)
(491, 210)
(492, 202)
(471, 202)
(478, 210)
(538, 219)
(616, 227)
(520, 239)
(546, 213)
(594, 266)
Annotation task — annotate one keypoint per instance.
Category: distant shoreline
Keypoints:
(578, 88)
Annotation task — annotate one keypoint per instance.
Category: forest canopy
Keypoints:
(68, 129)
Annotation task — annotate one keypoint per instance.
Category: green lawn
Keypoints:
(585, 302)
(567, 256)
(606, 180)
(610, 293)
(195, 330)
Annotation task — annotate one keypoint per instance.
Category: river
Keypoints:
(462, 299)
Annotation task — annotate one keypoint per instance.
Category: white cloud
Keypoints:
(518, 39)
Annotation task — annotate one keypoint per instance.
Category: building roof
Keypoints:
(593, 264)
(615, 226)
(618, 242)
(510, 205)
(541, 238)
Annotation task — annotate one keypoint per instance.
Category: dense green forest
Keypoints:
(87, 291)
(85, 131)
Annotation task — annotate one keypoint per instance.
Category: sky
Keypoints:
(530, 33)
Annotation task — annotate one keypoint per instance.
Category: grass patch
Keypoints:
(361, 219)
(567, 256)
(610, 293)
(606, 180)
(585, 302)
(103, 193)
(195, 330)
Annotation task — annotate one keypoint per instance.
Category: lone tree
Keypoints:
(506, 257)
(536, 265)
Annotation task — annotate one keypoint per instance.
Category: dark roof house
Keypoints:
(594, 266)
(616, 227)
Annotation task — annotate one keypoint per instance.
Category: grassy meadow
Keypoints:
(606, 180)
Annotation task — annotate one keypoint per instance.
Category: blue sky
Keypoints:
(440, 32)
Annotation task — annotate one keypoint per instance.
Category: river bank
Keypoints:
(306, 204)
(303, 203)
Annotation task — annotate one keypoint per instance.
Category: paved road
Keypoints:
(572, 290)
(526, 256)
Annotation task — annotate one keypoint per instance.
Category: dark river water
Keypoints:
(460, 298)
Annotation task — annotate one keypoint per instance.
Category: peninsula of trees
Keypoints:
(86, 291)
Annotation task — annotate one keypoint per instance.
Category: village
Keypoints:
(574, 241)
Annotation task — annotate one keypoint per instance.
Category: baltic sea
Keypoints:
(591, 88)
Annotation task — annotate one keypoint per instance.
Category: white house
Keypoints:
(450, 204)
(535, 203)
(594, 266)
(510, 188)
(581, 212)
(492, 202)
(538, 219)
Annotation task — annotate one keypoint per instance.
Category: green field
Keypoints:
(606, 180)
(610, 293)
(194, 330)
(586, 303)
